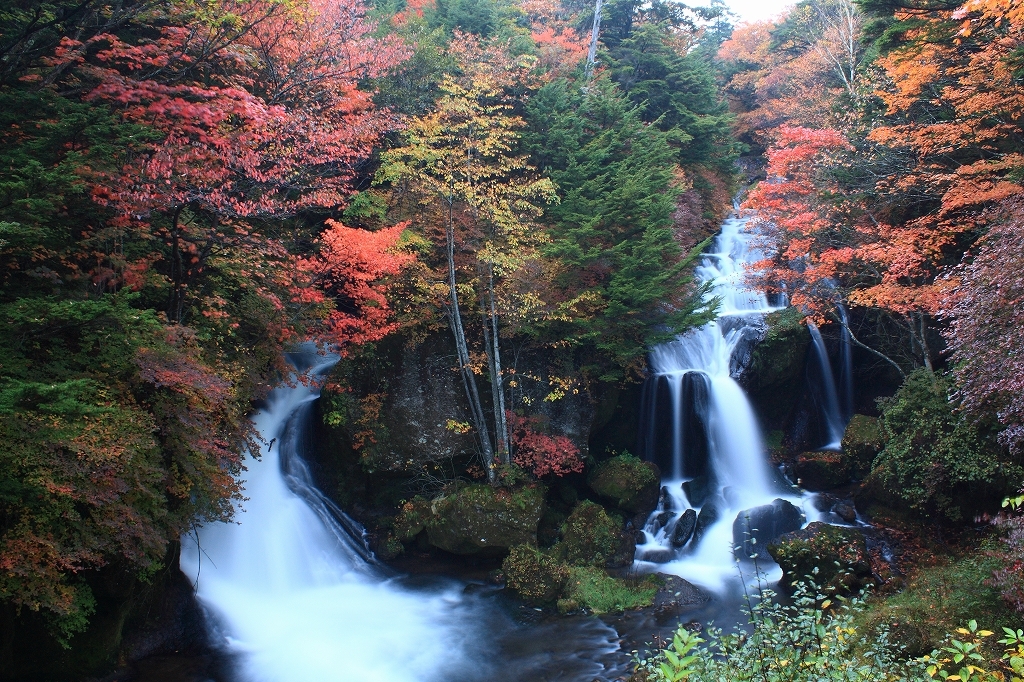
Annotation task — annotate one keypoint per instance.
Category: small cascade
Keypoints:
(831, 388)
(700, 429)
(845, 379)
(822, 385)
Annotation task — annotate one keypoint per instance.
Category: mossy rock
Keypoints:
(874, 500)
(822, 470)
(862, 442)
(631, 484)
(477, 518)
(538, 578)
(549, 531)
(832, 557)
(389, 547)
(775, 375)
(594, 589)
(590, 537)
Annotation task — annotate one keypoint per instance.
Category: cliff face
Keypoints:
(405, 408)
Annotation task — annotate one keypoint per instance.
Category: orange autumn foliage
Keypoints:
(350, 273)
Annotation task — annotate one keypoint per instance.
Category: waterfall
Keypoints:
(699, 427)
(822, 385)
(845, 366)
(294, 595)
(291, 585)
(832, 394)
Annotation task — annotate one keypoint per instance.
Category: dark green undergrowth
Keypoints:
(939, 599)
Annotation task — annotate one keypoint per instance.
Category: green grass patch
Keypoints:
(594, 589)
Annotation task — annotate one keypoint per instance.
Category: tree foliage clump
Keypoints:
(149, 158)
(935, 457)
(623, 282)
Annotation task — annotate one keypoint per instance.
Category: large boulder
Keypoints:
(477, 518)
(760, 525)
(590, 537)
(629, 483)
(538, 578)
(833, 557)
(862, 442)
(674, 597)
(699, 489)
(774, 377)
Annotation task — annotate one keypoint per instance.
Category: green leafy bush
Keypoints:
(810, 640)
(935, 458)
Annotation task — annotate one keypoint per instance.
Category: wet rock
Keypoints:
(538, 578)
(674, 595)
(821, 470)
(732, 497)
(834, 557)
(709, 514)
(662, 519)
(699, 489)
(846, 512)
(629, 483)
(760, 525)
(825, 501)
(862, 442)
(665, 500)
(590, 537)
(477, 517)
(684, 528)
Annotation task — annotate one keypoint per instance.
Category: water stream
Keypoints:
(699, 427)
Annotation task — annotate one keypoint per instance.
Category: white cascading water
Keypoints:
(692, 388)
(291, 589)
(827, 396)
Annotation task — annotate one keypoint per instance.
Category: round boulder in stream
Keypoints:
(479, 519)
(761, 525)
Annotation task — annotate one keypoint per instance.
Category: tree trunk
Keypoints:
(497, 382)
(468, 380)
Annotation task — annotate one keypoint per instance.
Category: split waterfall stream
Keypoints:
(292, 593)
